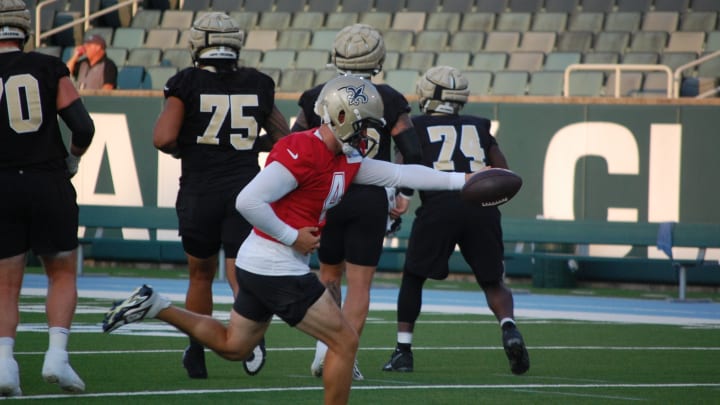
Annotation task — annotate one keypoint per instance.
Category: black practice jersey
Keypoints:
(223, 116)
(453, 143)
(395, 105)
(29, 132)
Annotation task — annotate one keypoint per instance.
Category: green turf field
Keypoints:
(458, 360)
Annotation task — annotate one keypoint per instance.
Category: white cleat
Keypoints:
(357, 375)
(316, 368)
(57, 370)
(9, 378)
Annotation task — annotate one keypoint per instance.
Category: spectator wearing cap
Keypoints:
(91, 67)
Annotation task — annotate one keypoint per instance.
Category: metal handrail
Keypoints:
(678, 72)
(618, 72)
(83, 20)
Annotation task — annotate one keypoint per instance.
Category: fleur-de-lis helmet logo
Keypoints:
(355, 94)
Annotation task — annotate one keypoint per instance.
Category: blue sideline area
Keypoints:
(527, 305)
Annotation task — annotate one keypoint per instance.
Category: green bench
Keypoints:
(566, 243)
(103, 239)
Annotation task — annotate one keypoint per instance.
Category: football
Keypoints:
(491, 187)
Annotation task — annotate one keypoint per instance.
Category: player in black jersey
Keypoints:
(38, 208)
(457, 143)
(211, 120)
(353, 236)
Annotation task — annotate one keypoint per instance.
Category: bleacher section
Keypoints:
(507, 47)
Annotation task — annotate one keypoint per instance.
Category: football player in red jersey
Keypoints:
(454, 143)
(352, 240)
(38, 208)
(306, 174)
(211, 121)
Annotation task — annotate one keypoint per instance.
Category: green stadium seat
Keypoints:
(130, 77)
(157, 76)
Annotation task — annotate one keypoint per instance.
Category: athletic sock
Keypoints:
(58, 338)
(507, 323)
(6, 347)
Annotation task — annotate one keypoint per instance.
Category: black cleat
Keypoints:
(515, 350)
(400, 361)
(256, 361)
(194, 361)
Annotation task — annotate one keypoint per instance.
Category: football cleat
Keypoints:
(316, 368)
(194, 361)
(57, 370)
(357, 375)
(9, 378)
(515, 350)
(142, 303)
(256, 361)
(400, 361)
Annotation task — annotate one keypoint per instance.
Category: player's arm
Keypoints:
(301, 123)
(381, 173)
(276, 127)
(253, 202)
(76, 117)
(403, 134)
(496, 158)
(167, 126)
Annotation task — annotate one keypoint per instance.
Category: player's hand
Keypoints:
(307, 240)
(402, 205)
(72, 163)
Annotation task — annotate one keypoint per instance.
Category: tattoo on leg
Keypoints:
(334, 288)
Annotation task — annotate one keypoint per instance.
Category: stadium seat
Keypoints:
(525, 6)
(296, 80)
(676, 59)
(553, 22)
(291, 6)
(402, 80)
(443, 21)
(654, 85)
(640, 58)
(630, 84)
(709, 68)
(586, 21)
(274, 74)
(196, 5)
(546, 83)
(157, 76)
(180, 58)
(76, 6)
(324, 75)
(478, 22)
(706, 5)
(436, 41)
(502, 41)
(612, 41)
(561, 6)
(130, 77)
(698, 21)
(126, 37)
(259, 6)
(489, 61)
(228, 6)
(672, 5)
(525, 61)
(247, 20)
(601, 57)
(390, 6)
(325, 6)
(561, 60)
(278, 58)
(601, 6)
(458, 60)
(274, 20)
(184, 40)
(419, 60)
(478, 81)
(507, 83)
(146, 57)
(251, 57)
(52, 50)
(261, 39)
(323, 39)
(338, 21)
(294, 39)
(634, 5)
(146, 18)
(408, 20)
(381, 20)
(178, 19)
(589, 84)
(648, 41)
(356, 6)
(536, 41)
(467, 41)
(457, 6)
(623, 21)
(574, 41)
(513, 22)
(312, 59)
(399, 40)
(491, 6)
(161, 38)
(117, 55)
(392, 60)
(309, 20)
(660, 21)
(426, 6)
(686, 41)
